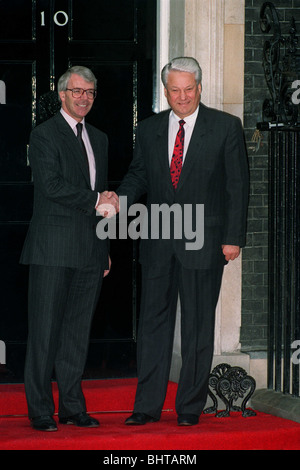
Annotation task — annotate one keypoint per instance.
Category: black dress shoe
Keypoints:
(83, 420)
(43, 423)
(140, 418)
(187, 420)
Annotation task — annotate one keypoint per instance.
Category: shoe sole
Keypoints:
(78, 425)
(186, 424)
(44, 430)
(136, 423)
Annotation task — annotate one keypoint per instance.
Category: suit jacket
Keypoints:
(62, 231)
(214, 174)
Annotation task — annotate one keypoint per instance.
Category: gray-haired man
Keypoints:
(67, 260)
(191, 155)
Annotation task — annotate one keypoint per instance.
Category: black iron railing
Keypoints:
(281, 62)
(284, 261)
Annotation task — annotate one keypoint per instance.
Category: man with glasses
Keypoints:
(67, 260)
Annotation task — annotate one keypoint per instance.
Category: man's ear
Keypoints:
(62, 95)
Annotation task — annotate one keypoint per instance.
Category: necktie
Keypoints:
(80, 140)
(176, 162)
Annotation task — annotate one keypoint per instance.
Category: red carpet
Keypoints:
(111, 402)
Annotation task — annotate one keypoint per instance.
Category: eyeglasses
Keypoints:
(78, 92)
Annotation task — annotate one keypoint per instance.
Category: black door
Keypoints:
(39, 40)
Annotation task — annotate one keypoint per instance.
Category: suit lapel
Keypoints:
(163, 149)
(196, 146)
(74, 150)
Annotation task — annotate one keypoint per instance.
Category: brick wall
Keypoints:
(255, 254)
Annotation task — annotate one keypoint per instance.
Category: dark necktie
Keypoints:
(80, 140)
(176, 162)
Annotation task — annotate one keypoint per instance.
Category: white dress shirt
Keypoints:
(174, 128)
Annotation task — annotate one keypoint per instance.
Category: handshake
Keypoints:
(108, 204)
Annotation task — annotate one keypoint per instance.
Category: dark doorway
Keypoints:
(39, 40)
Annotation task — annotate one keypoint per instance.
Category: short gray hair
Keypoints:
(182, 64)
(83, 72)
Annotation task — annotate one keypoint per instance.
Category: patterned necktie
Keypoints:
(80, 140)
(176, 162)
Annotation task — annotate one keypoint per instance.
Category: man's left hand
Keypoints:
(230, 252)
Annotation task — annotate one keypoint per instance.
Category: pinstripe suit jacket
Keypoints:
(215, 174)
(62, 231)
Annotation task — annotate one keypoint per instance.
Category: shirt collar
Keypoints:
(71, 121)
(189, 120)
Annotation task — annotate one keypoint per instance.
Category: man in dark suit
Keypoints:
(207, 167)
(67, 260)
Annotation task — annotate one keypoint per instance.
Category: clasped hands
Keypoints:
(108, 204)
